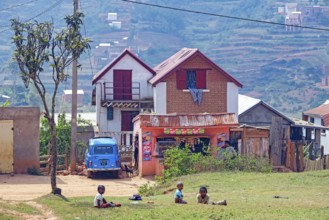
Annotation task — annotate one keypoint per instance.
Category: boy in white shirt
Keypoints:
(100, 201)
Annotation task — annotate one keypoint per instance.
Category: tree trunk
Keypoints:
(53, 150)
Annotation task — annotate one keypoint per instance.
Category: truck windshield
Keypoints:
(103, 150)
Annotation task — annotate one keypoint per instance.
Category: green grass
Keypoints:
(7, 217)
(249, 196)
(19, 207)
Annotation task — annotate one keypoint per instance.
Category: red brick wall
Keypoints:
(213, 101)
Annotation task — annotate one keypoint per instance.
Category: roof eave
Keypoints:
(116, 60)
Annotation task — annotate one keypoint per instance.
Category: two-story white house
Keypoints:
(121, 91)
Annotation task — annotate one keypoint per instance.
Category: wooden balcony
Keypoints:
(123, 95)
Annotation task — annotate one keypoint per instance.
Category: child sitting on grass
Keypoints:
(203, 198)
(178, 194)
(100, 202)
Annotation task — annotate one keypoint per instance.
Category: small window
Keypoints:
(312, 119)
(322, 122)
(193, 79)
(103, 150)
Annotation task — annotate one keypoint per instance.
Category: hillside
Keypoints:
(282, 68)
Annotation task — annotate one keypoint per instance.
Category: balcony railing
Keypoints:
(123, 91)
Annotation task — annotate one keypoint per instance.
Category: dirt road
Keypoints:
(27, 187)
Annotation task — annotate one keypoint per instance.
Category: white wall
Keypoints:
(317, 121)
(325, 142)
(160, 98)
(232, 98)
(139, 74)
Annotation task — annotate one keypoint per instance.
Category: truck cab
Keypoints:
(102, 155)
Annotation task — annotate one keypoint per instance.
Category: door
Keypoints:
(126, 120)
(122, 84)
(6, 146)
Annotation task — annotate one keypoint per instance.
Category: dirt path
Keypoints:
(44, 212)
(27, 187)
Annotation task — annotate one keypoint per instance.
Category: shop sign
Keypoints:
(184, 131)
(147, 146)
(221, 138)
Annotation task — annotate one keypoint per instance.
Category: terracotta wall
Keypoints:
(213, 101)
(26, 122)
(153, 167)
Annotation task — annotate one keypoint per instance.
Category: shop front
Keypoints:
(201, 133)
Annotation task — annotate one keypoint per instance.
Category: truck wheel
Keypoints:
(117, 173)
(89, 174)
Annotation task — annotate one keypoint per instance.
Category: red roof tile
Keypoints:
(166, 67)
(321, 110)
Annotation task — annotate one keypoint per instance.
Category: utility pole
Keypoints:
(74, 105)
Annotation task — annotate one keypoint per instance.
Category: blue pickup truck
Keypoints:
(102, 156)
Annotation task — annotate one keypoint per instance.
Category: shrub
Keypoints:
(179, 162)
(33, 171)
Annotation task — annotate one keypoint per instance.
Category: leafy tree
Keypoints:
(37, 44)
(5, 104)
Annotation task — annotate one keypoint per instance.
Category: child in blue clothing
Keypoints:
(179, 195)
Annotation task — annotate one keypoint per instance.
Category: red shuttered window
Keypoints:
(181, 79)
(201, 79)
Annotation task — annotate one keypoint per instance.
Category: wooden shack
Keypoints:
(251, 141)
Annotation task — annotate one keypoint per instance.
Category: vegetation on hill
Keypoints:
(282, 68)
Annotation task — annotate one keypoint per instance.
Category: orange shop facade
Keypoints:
(155, 133)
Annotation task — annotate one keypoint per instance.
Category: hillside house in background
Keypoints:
(320, 116)
(195, 103)
(121, 91)
(325, 78)
(67, 96)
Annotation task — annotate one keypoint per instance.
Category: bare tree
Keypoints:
(37, 45)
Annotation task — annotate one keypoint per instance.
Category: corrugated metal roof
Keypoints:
(186, 120)
(321, 110)
(301, 123)
(169, 65)
(246, 102)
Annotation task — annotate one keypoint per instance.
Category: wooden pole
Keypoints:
(74, 106)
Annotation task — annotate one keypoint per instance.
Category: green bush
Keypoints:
(179, 162)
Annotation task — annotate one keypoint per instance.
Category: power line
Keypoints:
(38, 15)
(225, 16)
(84, 27)
(18, 5)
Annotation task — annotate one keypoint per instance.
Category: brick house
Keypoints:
(171, 82)
(195, 103)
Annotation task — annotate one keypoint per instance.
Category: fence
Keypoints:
(62, 163)
(317, 164)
